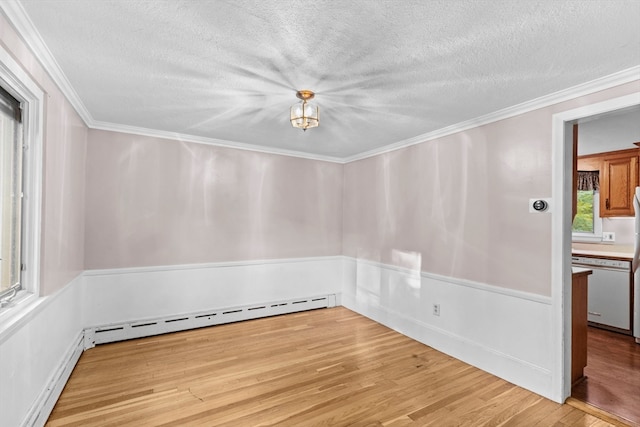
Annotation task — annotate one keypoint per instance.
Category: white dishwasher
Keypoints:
(609, 294)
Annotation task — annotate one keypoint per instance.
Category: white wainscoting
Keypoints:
(504, 332)
(41, 349)
(38, 355)
(125, 295)
(501, 331)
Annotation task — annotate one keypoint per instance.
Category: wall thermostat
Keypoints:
(538, 205)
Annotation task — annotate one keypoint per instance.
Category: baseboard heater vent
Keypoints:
(149, 327)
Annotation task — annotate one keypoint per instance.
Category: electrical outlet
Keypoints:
(436, 309)
(608, 236)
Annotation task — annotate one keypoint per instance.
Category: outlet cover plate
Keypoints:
(608, 236)
(547, 200)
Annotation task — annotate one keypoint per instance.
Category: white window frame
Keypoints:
(20, 85)
(596, 236)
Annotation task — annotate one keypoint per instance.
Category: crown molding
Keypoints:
(114, 127)
(16, 14)
(27, 30)
(606, 82)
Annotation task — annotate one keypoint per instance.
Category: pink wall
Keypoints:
(153, 201)
(455, 206)
(458, 206)
(65, 137)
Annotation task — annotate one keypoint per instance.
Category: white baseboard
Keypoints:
(506, 333)
(149, 327)
(41, 409)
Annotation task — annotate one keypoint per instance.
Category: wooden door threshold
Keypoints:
(616, 420)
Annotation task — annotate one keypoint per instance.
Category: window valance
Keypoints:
(588, 180)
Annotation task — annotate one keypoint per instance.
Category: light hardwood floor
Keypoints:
(329, 367)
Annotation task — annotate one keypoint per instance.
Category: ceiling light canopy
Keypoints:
(305, 115)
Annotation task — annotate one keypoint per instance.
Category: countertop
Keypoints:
(580, 270)
(603, 250)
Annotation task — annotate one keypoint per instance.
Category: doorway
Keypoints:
(561, 226)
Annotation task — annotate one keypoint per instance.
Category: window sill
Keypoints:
(586, 239)
(18, 313)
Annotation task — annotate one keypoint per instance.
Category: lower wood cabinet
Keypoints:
(579, 293)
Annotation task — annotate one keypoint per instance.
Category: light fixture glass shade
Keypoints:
(305, 115)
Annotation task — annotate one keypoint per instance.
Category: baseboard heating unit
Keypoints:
(149, 327)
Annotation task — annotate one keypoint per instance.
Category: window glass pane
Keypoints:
(583, 221)
(10, 193)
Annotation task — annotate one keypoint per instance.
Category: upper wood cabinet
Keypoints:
(618, 180)
(618, 184)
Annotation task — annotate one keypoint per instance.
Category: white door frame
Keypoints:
(562, 167)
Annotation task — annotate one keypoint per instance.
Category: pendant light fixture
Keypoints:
(305, 115)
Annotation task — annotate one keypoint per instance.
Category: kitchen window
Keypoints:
(587, 224)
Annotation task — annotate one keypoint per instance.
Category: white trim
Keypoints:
(42, 407)
(16, 14)
(165, 291)
(31, 382)
(467, 350)
(460, 282)
(146, 327)
(285, 285)
(183, 137)
(22, 87)
(27, 309)
(22, 309)
(159, 268)
(606, 82)
(561, 236)
(513, 343)
(25, 27)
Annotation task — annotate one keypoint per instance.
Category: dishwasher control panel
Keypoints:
(601, 262)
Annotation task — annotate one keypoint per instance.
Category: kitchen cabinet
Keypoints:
(617, 185)
(579, 291)
(618, 180)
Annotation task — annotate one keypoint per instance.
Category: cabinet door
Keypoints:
(619, 180)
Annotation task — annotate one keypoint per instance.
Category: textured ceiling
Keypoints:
(383, 71)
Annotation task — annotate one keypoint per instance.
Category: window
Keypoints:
(587, 224)
(10, 196)
(21, 133)
(583, 221)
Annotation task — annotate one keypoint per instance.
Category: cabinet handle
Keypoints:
(593, 313)
(606, 204)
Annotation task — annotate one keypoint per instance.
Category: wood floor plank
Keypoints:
(612, 373)
(322, 367)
